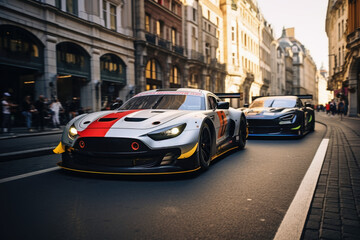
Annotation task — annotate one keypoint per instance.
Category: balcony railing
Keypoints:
(196, 56)
(353, 37)
(163, 43)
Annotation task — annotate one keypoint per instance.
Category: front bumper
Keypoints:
(271, 127)
(119, 156)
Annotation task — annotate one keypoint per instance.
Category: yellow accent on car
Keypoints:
(59, 149)
(189, 153)
(310, 119)
(296, 128)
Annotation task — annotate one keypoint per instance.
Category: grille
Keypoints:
(262, 122)
(108, 145)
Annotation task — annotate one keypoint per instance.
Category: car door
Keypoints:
(220, 118)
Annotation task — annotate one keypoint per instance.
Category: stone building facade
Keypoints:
(73, 50)
(342, 28)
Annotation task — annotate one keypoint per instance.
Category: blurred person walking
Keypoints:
(27, 110)
(6, 112)
(341, 108)
(56, 107)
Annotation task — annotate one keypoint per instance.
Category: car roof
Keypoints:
(167, 90)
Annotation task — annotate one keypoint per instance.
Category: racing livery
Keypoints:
(154, 132)
(280, 116)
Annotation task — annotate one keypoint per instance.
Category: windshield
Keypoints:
(273, 102)
(175, 102)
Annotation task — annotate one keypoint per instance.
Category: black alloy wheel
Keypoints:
(242, 133)
(312, 127)
(204, 148)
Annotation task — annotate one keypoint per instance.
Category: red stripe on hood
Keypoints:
(99, 129)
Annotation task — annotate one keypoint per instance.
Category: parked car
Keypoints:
(154, 132)
(280, 116)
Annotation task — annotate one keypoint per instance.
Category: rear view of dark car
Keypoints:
(280, 116)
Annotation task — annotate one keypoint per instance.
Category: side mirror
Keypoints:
(223, 105)
(246, 105)
(308, 105)
(115, 106)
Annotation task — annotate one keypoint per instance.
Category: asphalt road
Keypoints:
(244, 195)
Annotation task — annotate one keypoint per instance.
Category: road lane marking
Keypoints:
(28, 174)
(293, 222)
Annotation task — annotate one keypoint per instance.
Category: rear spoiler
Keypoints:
(309, 96)
(229, 95)
(305, 96)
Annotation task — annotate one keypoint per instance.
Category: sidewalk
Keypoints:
(24, 132)
(19, 135)
(335, 208)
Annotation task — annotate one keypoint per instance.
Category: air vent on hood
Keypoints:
(128, 119)
(106, 119)
(157, 111)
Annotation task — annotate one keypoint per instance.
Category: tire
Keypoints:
(312, 127)
(204, 147)
(242, 133)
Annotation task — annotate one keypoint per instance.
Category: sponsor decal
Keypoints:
(223, 123)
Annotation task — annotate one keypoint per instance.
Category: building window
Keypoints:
(147, 22)
(58, 4)
(208, 14)
(109, 15)
(173, 36)
(105, 13)
(233, 34)
(112, 17)
(72, 6)
(194, 14)
(160, 28)
(207, 53)
(153, 75)
(233, 58)
(217, 21)
(174, 77)
(194, 39)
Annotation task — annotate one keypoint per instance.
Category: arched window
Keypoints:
(20, 47)
(112, 69)
(175, 77)
(153, 75)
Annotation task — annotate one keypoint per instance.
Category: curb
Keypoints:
(26, 154)
(31, 134)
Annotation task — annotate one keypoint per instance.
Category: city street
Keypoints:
(244, 195)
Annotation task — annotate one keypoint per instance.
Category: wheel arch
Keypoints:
(213, 135)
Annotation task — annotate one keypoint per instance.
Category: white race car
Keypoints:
(154, 132)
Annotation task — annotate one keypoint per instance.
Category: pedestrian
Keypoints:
(327, 108)
(56, 107)
(27, 110)
(341, 108)
(40, 113)
(74, 107)
(333, 107)
(6, 112)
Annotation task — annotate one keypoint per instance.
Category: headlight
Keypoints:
(287, 119)
(167, 133)
(72, 132)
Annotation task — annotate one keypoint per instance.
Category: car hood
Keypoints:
(261, 112)
(131, 119)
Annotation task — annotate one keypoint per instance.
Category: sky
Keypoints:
(308, 19)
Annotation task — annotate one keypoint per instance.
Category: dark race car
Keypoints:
(280, 116)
